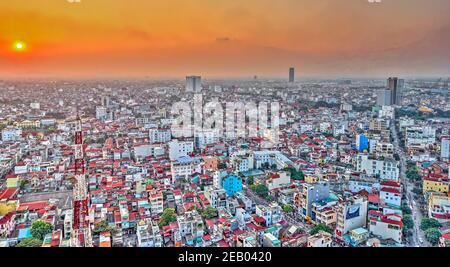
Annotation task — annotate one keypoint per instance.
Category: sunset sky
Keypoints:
(218, 38)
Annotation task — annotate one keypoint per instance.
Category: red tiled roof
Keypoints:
(390, 221)
(440, 215)
(375, 213)
(7, 217)
(222, 243)
(436, 178)
(174, 225)
(9, 193)
(259, 219)
(255, 227)
(390, 190)
(390, 183)
(32, 206)
(238, 232)
(374, 198)
(133, 216)
(210, 222)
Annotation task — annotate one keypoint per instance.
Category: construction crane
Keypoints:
(81, 229)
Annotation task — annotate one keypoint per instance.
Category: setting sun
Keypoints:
(19, 46)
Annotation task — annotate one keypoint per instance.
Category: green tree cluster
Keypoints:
(408, 222)
(209, 212)
(320, 227)
(103, 226)
(39, 229)
(288, 208)
(405, 209)
(433, 235)
(260, 189)
(412, 174)
(428, 223)
(296, 175)
(29, 243)
(167, 217)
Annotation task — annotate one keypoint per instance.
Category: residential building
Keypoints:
(386, 168)
(179, 149)
(320, 240)
(390, 194)
(309, 194)
(232, 185)
(11, 134)
(386, 226)
(205, 137)
(184, 167)
(351, 214)
(384, 149)
(160, 135)
(277, 180)
(362, 142)
(420, 136)
(439, 207)
(445, 148)
(435, 183)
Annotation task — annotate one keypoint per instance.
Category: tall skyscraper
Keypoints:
(193, 84)
(291, 75)
(384, 97)
(396, 85)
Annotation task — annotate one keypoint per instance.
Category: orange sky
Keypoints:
(232, 38)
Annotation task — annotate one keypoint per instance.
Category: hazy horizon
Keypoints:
(100, 39)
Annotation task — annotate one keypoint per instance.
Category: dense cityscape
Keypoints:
(96, 163)
(214, 132)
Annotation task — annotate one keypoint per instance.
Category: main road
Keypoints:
(418, 237)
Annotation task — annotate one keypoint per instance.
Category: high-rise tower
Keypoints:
(194, 84)
(291, 75)
(395, 85)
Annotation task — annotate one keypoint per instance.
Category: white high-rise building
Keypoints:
(386, 169)
(180, 149)
(160, 135)
(11, 134)
(193, 84)
(420, 136)
(445, 147)
(351, 214)
(206, 137)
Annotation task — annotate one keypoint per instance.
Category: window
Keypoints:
(390, 226)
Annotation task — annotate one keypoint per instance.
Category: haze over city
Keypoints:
(328, 38)
(216, 124)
